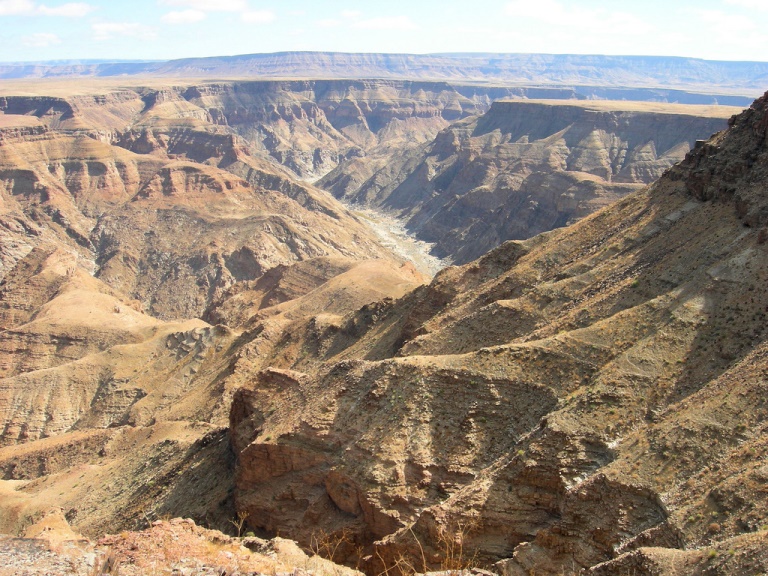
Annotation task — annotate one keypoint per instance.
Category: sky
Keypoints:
(32, 30)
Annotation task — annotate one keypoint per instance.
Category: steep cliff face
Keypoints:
(591, 398)
(524, 168)
(312, 126)
(106, 112)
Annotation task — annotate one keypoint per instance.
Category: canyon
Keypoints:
(522, 168)
(197, 321)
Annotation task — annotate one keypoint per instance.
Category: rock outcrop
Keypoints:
(176, 546)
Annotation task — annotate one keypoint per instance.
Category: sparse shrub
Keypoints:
(451, 545)
(712, 554)
(242, 516)
(327, 545)
(714, 528)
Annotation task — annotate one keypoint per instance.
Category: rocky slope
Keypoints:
(177, 546)
(147, 188)
(589, 399)
(524, 167)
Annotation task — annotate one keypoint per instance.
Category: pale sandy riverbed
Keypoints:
(394, 235)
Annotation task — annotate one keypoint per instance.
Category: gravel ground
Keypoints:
(28, 557)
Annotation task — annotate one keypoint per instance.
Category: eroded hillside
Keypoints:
(172, 207)
(134, 228)
(307, 126)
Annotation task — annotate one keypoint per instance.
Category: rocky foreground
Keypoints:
(175, 546)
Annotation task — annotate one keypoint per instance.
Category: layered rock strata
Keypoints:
(524, 168)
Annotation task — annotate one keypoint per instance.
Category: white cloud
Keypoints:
(727, 24)
(70, 10)
(258, 16)
(40, 40)
(352, 19)
(541, 9)
(386, 23)
(110, 30)
(183, 17)
(582, 21)
(29, 8)
(328, 23)
(12, 7)
(734, 34)
(760, 5)
(210, 5)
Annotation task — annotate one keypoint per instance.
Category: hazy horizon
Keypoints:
(71, 61)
